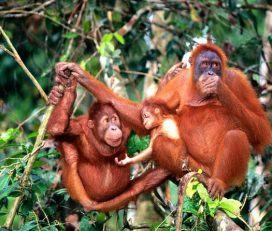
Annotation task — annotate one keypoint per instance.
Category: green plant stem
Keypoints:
(28, 168)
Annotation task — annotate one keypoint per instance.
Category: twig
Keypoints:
(160, 225)
(70, 45)
(41, 207)
(138, 73)
(6, 50)
(20, 8)
(18, 59)
(30, 117)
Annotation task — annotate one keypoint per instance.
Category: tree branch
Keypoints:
(38, 143)
(24, 180)
(18, 59)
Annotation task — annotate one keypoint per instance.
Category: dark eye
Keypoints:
(145, 116)
(114, 118)
(215, 65)
(204, 64)
(106, 120)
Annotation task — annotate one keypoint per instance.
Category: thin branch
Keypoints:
(70, 45)
(20, 8)
(24, 180)
(18, 59)
(30, 117)
(139, 73)
(7, 50)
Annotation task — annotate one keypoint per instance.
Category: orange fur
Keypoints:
(217, 132)
(89, 172)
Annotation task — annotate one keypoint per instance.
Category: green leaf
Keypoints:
(231, 207)
(28, 226)
(191, 188)
(116, 16)
(190, 206)
(86, 26)
(110, 46)
(4, 179)
(213, 206)
(119, 38)
(107, 38)
(85, 225)
(203, 193)
(137, 144)
(40, 188)
(64, 58)
(100, 217)
(70, 35)
(9, 135)
(101, 49)
(32, 135)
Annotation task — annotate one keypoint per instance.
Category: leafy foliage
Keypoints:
(162, 33)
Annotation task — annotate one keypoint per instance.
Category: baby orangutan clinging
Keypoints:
(166, 145)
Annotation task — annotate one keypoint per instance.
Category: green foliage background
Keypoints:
(45, 32)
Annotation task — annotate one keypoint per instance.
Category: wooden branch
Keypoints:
(24, 180)
(223, 222)
(38, 143)
(18, 59)
(182, 191)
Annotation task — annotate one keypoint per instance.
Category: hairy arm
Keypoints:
(128, 110)
(59, 122)
(63, 104)
(239, 98)
(142, 156)
(146, 182)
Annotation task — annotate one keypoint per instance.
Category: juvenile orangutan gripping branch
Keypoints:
(88, 145)
(219, 115)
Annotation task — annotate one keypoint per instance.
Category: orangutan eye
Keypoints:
(107, 120)
(204, 64)
(215, 65)
(114, 119)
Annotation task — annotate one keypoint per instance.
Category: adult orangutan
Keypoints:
(219, 114)
(89, 144)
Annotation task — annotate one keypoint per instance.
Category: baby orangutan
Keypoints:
(166, 145)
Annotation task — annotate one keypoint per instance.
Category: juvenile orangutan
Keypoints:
(166, 145)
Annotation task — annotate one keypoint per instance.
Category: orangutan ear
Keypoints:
(157, 110)
(90, 124)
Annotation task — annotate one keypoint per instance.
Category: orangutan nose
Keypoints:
(210, 73)
(113, 128)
